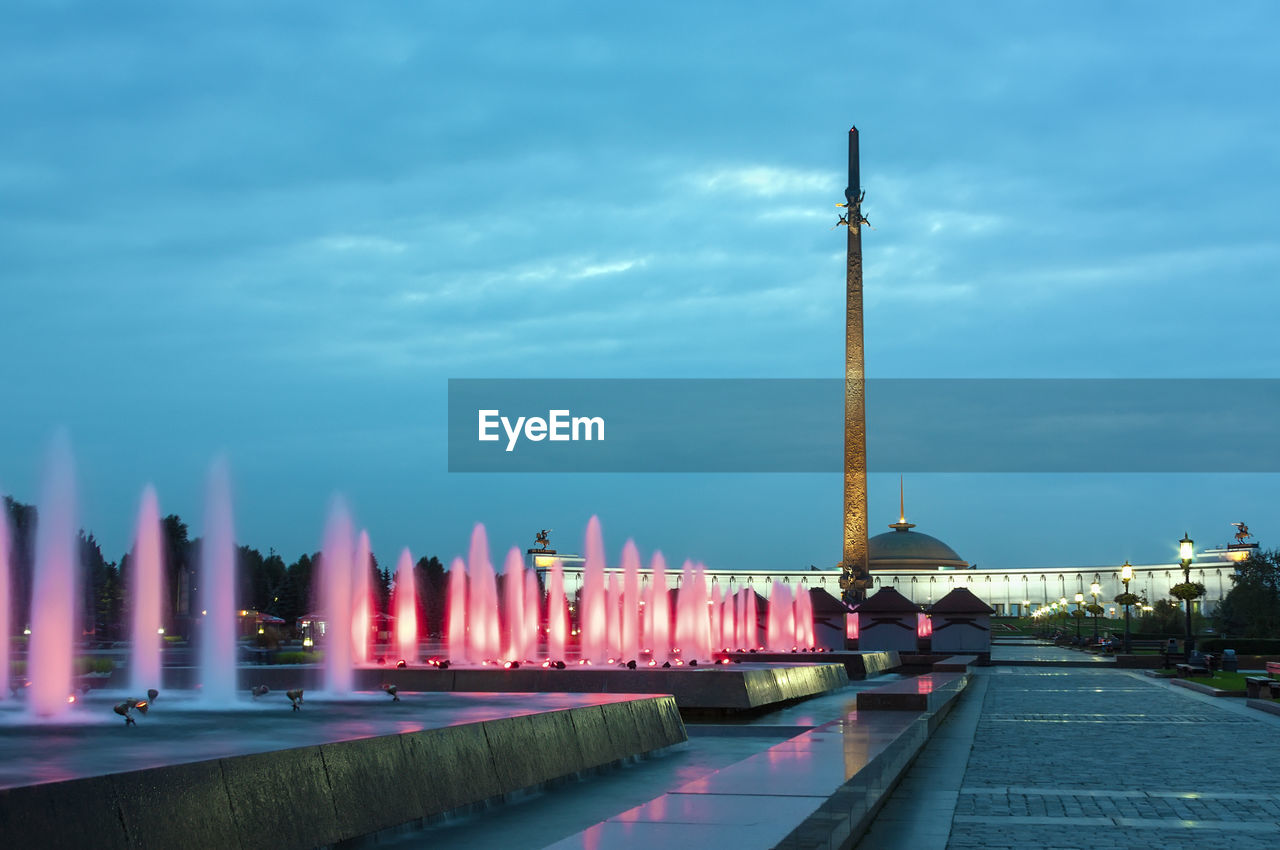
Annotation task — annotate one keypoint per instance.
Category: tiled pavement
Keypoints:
(1089, 758)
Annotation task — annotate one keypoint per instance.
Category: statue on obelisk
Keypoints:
(855, 577)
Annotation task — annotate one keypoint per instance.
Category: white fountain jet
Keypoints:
(593, 625)
(483, 632)
(362, 595)
(146, 594)
(335, 590)
(406, 609)
(217, 591)
(630, 602)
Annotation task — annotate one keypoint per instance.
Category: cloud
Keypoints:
(764, 181)
(346, 243)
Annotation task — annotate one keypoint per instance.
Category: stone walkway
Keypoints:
(1090, 758)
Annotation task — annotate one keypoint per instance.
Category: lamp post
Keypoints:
(1094, 590)
(1063, 603)
(1186, 551)
(1126, 576)
(1079, 615)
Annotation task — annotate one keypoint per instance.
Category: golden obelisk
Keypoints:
(855, 577)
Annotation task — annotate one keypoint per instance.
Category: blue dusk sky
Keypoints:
(275, 231)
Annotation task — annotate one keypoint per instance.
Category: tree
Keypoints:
(102, 598)
(295, 590)
(275, 574)
(1252, 607)
(22, 547)
(381, 580)
(179, 561)
(1165, 618)
(432, 583)
(260, 579)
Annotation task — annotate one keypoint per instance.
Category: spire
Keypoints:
(902, 524)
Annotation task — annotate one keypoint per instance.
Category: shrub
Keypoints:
(93, 664)
(296, 658)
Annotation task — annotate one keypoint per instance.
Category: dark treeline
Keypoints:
(263, 582)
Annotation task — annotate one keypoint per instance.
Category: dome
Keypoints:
(904, 549)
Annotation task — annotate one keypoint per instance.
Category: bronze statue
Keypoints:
(1242, 532)
(543, 538)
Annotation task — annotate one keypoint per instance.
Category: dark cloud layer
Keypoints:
(279, 230)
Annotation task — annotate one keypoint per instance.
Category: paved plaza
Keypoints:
(1088, 757)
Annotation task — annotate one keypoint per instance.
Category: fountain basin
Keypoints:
(261, 775)
(732, 687)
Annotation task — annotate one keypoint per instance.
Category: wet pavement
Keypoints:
(1082, 757)
(634, 804)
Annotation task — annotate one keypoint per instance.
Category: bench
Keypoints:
(1273, 668)
(1261, 687)
(1186, 671)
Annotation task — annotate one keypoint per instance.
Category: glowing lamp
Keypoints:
(1126, 572)
(1079, 598)
(1186, 548)
(1095, 589)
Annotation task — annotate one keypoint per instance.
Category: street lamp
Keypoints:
(1186, 551)
(1126, 576)
(1094, 590)
(1079, 615)
(1063, 607)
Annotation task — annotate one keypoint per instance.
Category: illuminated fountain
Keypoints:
(362, 600)
(56, 587)
(146, 593)
(593, 626)
(619, 615)
(456, 645)
(218, 586)
(406, 608)
(513, 597)
(631, 607)
(483, 636)
(335, 593)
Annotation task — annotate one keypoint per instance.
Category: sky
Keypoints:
(274, 233)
